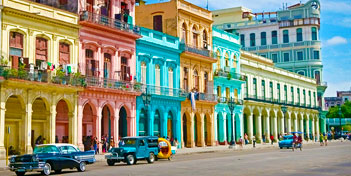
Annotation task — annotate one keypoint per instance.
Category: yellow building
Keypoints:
(193, 25)
(38, 92)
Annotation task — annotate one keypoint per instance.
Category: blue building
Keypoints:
(158, 69)
(227, 86)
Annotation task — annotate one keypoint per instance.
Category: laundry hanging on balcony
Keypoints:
(192, 100)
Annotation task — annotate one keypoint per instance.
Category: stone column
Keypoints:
(259, 129)
(225, 127)
(28, 127)
(282, 127)
(275, 122)
(234, 127)
(80, 127)
(115, 133)
(98, 126)
(191, 132)
(308, 127)
(313, 129)
(211, 131)
(267, 130)
(2, 127)
(317, 127)
(215, 135)
(164, 124)
(52, 123)
(250, 126)
(202, 132)
(74, 117)
(150, 123)
(295, 123)
(289, 123)
(301, 126)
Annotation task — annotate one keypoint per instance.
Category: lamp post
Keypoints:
(146, 96)
(284, 110)
(231, 104)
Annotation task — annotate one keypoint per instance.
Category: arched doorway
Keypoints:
(185, 130)
(13, 118)
(157, 124)
(40, 123)
(170, 125)
(88, 128)
(206, 131)
(142, 123)
(122, 123)
(106, 123)
(62, 123)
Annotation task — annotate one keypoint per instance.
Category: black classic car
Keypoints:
(51, 157)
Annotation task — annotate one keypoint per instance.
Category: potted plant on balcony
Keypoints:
(137, 86)
(22, 73)
(59, 78)
(229, 76)
(3, 64)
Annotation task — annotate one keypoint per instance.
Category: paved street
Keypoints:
(335, 159)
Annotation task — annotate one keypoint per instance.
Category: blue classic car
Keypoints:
(286, 142)
(48, 157)
(132, 149)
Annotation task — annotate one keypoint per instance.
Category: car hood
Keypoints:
(286, 141)
(24, 158)
(121, 150)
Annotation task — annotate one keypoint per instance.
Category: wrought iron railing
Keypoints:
(280, 102)
(164, 91)
(226, 100)
(109, 22)
(207, 97)
(42, 76)
(113, 84)
(196, 50)
(229, 75)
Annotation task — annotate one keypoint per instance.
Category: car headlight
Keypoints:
(35, 159)
(12, 159)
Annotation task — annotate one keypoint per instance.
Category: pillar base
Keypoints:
(81, 147)
(29, 149)
(2, 153)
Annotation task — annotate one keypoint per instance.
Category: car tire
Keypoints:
(130, 159)
(110, 162)
(20, 173)
(281, 147)
(151, 158)
(58, 171)
(47, 169)
(82, 166)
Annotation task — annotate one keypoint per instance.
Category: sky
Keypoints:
(335, 34)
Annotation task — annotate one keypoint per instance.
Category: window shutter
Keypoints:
(128, 76)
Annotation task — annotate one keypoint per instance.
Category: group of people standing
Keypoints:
(92, 143)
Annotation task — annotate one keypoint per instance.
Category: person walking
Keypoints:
(246, 139)
(254, 141)
(95, 145)
(272, 139)
(321, 138)
(325, 139)
(294, 141)
(241, 141)
(299, 142)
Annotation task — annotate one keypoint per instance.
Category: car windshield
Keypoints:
(128, 142)
(288, 137)
(46, 149)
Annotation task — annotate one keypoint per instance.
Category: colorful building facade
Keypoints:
(193, 25)
(158, 70)
(39, 92)
(277, 102)
(107, 106)
(227, 86)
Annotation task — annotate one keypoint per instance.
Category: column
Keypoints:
(74, 125)
(234, 127)
(267, 130)
(80, 127)
(259, 129)
(308, 127)
(301, 127)
(191, 132)
(250, 126)
(202, 131)
(98, 126)
(224, 127)
(28, 127)
(211, 131)
(275, 122)
(115, 133)
(282, 127)
(289, 123)
(215, 127)
(178, 125)
(295, 123)
(241, 117)
(150, 123)
(164, 127)
(313, 129)
(317, 128)
(2, 127)
(52, 123)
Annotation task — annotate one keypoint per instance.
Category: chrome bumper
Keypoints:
(14, 168)
(115, 157)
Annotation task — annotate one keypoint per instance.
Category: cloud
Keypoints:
(337, 40)
(337, 6)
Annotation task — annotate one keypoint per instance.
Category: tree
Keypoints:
(345, 111)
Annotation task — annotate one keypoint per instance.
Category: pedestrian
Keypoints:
(241, 142)
(325, 139)
(321, 138)
(175, 142)
(299, 141)
(272, 139)
(56, 139)
(246, 139)
(280, 137)
(264, 138)
(95, 142)
(294, 141)
(254, 141)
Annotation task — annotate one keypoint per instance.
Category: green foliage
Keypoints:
(22, 73)
(59, 73)
(346, 128)
(345, 111)
(3, 61)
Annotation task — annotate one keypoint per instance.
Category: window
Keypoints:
(227, 93)
(274, 38)
(219, 92)
(64, 54)
(196, 81)
(299, 35)
(263, 39)
(309, 97)
(125, 69)
(185, 81)
(314, 33)
(263, 89)
(271, 89)
(195, 36)
(314, 99)
(206, 82)
(246, 92)
(242, 40)
(158, 23)
(317, 76)
(275, 58)
(301, 73)
(184, 35)
(157, 75)
(67, 149)
(226, 57)
(278, 91)
(234, 61)
(292, 94)
(143, 73)
(170, 78)
(315, 54)
(91, 64)
(204, 39)
(285, 36)
(252, 39)
(298, 95)
(218, 54)
(286, 57)
(304, 97)
(41, 49)
(286, 93)
(299, 55)
(255, 87)
(16, 48)
(263, 55)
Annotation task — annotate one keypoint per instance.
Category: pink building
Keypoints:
(106, 109)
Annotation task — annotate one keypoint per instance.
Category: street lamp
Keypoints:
(284, 110)
(231, 104)
(146, 96)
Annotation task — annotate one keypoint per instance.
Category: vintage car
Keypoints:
(286, 142)
(132, 149)
(48, 157)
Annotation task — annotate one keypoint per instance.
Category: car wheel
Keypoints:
(47, 169)
(20, 173)
(130, 159)
(81, 167)
(58, 171)
(151, 158)
(281, 147)
(110, 162)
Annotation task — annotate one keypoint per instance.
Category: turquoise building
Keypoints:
(227, 86)
(158, 70)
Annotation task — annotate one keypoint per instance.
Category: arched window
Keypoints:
(91, 64)
(236, 95)
(185, 81)
(64, 53)
(16, 48)
(226, 60)
(196, 80)
(157, 123)
(157, 78)
(314, 33)
(41, 51)
(206, 82)
(218, 54)
(234, 61)
(219, 92)
(195, 37)
(107, 65)
(204, 38)
(184, 33)
(143, 73)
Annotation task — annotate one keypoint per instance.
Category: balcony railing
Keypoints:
(284, 45)
(208, 97)
(196, 50)
(280, 102)
(164, 91)
(226, 100)
(229, 75)
(113, 84)
(109, 22)
(41, 76)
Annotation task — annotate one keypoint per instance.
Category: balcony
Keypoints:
(109, 22)
(113, 84)
(207, 97)
(164, 91)
(40, 76)
(225, 100)
(229, 75)
(196, 50)
(284, 45)
(279, 102)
